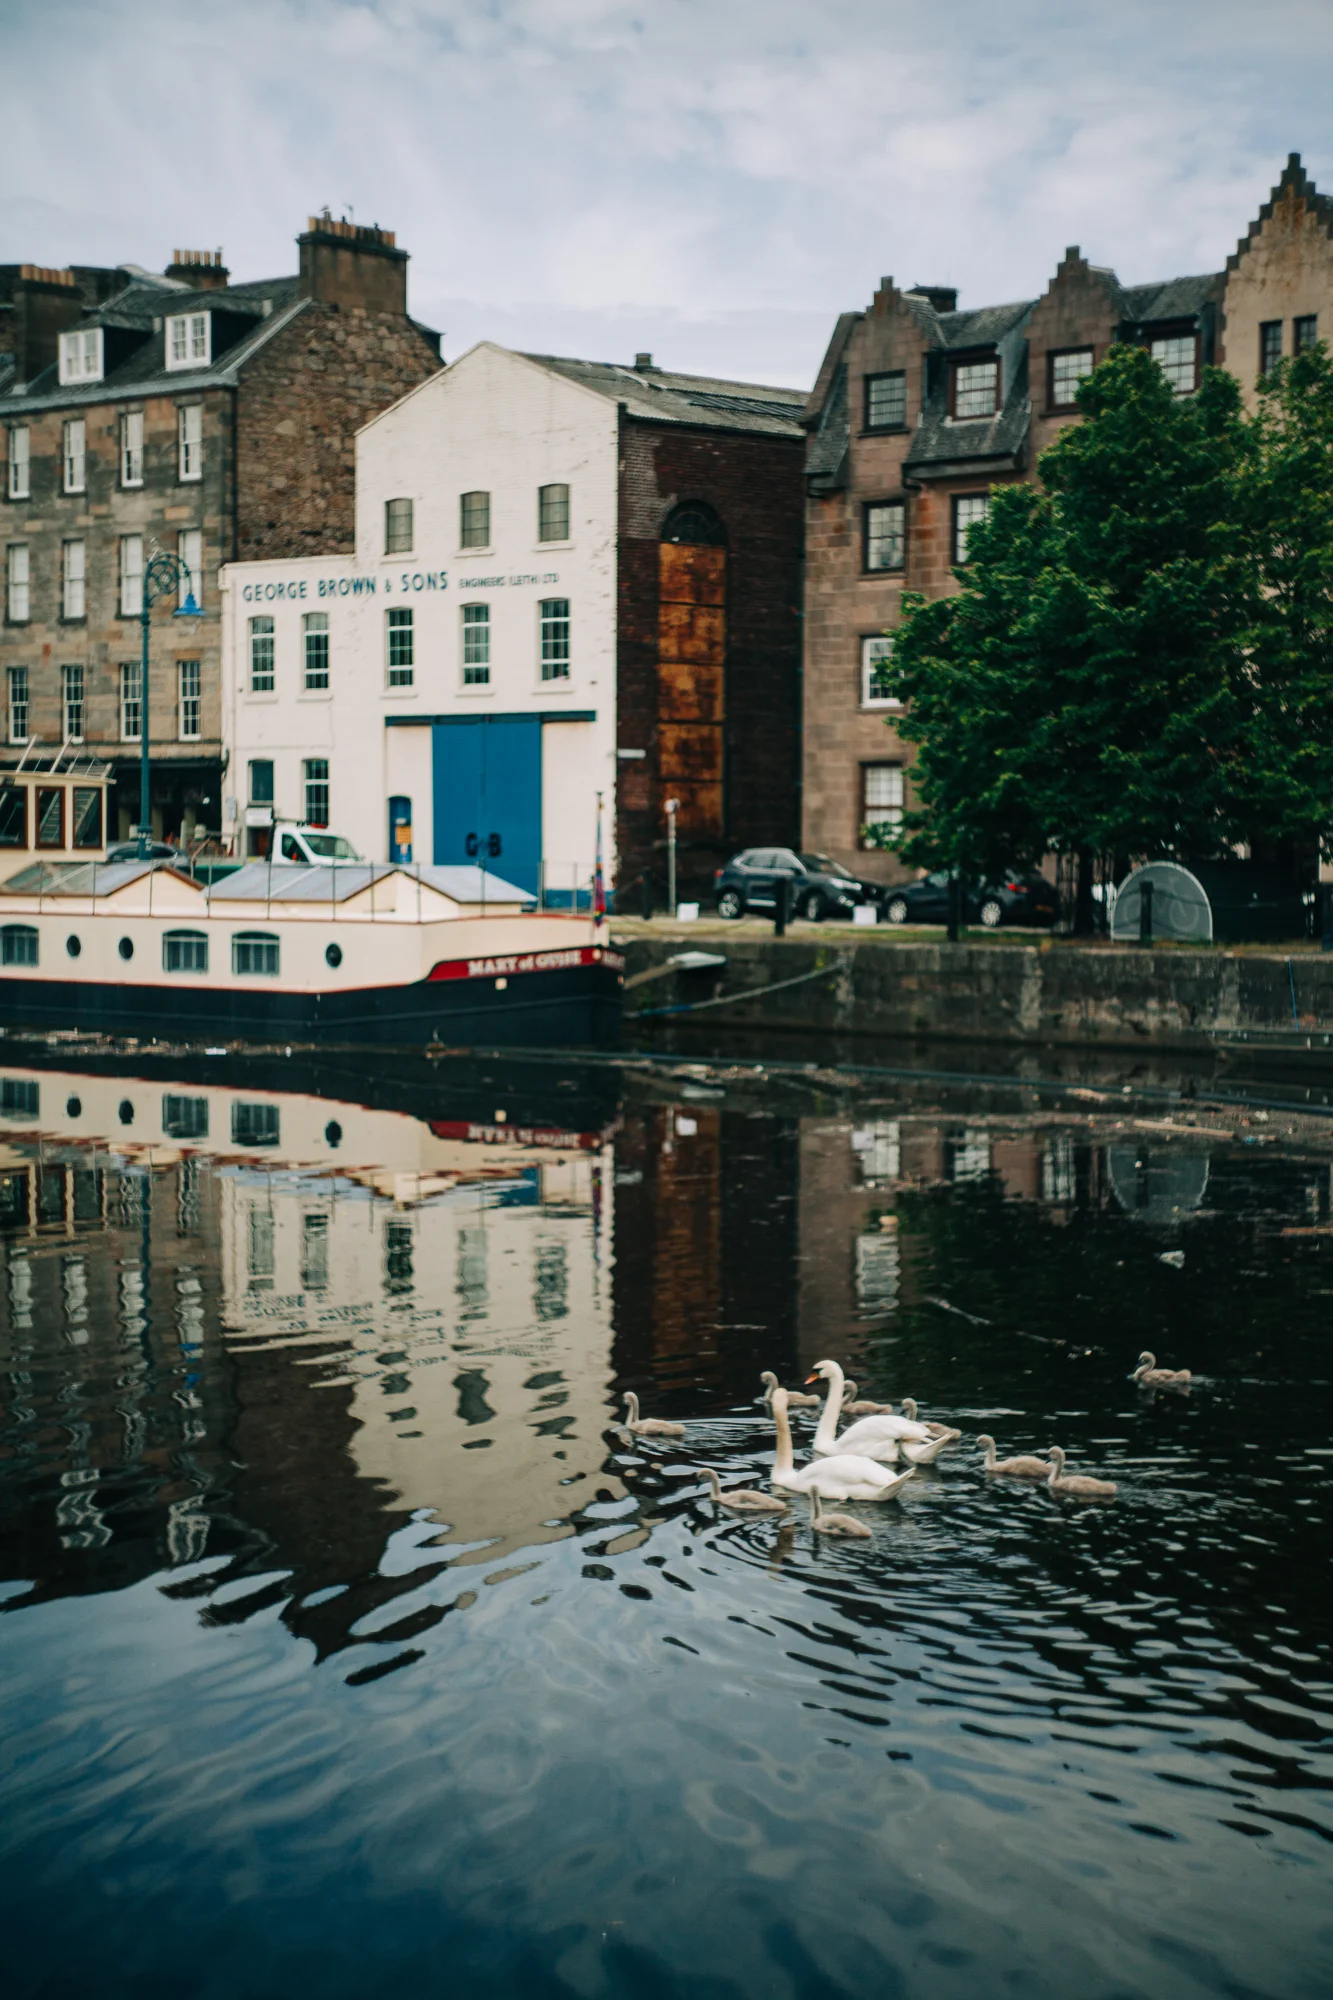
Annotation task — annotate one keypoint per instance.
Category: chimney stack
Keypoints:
(45, 305)
(202, 270)
(352, 267)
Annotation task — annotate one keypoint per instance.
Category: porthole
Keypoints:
(73, 946)
(333, 1131)
(334, 955)
(126, 1111)
(126, 947)
(73, 1107)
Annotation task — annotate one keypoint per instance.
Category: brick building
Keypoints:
(210, 419)
(920, 410)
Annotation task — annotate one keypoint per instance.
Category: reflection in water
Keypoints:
(344, 1642)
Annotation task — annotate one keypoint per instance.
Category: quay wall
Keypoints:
(1053, 993)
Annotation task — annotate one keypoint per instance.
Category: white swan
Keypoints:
(1018, 1468)
(794, 1397)
(835, 1524)
(842, 1477)
(871, 1437)
(1149, 1376)
(1077, 1482)
(648, 1427)
(742, 1499)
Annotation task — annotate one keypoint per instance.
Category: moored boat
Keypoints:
(348, 954)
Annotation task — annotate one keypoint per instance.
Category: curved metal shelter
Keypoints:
(1180, 906)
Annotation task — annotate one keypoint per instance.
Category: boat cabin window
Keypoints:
(185, 1117)
(51, 816)
(14, 816)
(87, 802)
(254, 952)
(185, 951)
(255, 1125)
(18, 944)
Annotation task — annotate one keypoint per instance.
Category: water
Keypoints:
(344, 1649)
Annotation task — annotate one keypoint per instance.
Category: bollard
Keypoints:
(955, 905)
(1326, 939)
(646, 884)
(782, 891)
(1145, 913)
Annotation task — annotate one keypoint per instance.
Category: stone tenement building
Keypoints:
(920, 410)
(182, 412)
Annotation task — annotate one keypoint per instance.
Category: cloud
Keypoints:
(722, 175)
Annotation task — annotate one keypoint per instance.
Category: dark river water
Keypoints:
(344, 1650)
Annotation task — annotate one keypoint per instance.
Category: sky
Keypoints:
(711, 180)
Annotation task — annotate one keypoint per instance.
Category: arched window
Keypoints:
(185, 951)
(694, 521)
(18, 944)
(254, 952)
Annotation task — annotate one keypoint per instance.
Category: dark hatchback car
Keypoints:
(1019, 896)
(820, 886)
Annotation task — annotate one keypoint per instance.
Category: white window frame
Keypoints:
(131, 701)
(18, 583)
(877, 541)
(190, 552)
(131, 576)
(72, 694)
(400, 673)
(1069, 401)
(976, 382)
(315, 678)
(1166, 352)
(262, 648)
(399, 530)
(82, 355)
(131, 448)
(74, 455)
(898, 377)
(882, 812)
(190, 440)
(314, 779)
(476, 628)
(187, 341)
(19, 486)
(968, 509)
(74, 579)
(555, 666)
(878, 646)
(18, 698)
(189, 701)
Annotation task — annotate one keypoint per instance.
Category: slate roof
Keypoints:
(661, 397)
(941, 440)
(1178, 298)
(983, 327)
(271, 303)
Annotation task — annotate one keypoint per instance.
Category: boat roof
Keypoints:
(257, 882)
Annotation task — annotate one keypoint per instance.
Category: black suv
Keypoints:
(1018, 897)
(820, 886)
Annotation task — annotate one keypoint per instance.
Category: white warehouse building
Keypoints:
(449, 691)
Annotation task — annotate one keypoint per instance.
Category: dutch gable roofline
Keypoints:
(1294, 181)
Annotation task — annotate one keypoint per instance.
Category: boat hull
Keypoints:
(567, 1007)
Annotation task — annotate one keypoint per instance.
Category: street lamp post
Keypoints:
(163, 575)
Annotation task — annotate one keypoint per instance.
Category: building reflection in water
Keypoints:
(274, 1330)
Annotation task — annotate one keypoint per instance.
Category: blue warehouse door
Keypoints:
(487, 782)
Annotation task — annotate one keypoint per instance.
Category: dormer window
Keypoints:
(189, 341)
(1177, 355)
(81, 355)
(974, 389)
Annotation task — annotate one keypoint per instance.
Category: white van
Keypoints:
(307, 845)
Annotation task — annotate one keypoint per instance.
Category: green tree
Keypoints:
(1088, 689)
(1288, 503)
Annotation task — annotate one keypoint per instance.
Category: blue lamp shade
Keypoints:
(189, 609)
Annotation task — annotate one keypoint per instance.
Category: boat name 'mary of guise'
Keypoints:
(348, 953)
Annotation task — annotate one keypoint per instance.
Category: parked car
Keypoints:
(820, 886)
(1019, 896)
(158, 850)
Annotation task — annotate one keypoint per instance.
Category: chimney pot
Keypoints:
(642, 361)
